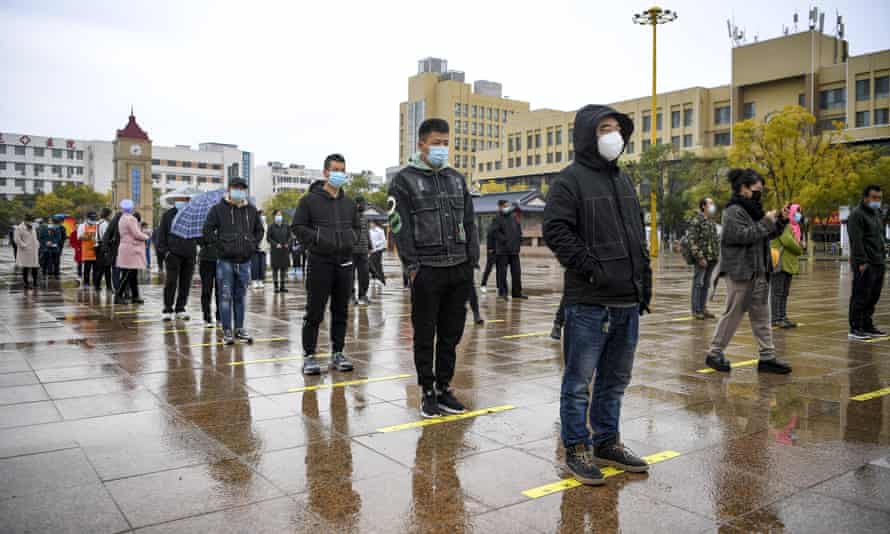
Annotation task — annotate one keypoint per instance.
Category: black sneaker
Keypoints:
(614, 453)
(579, 462)
(242, 336)
(339, 362)
(520, 297)
(429, 405)
(283, 289)
(787, 323)
(858, 335)
(556, 333)
(479, 320)
(228, 337)
(874, 332)
(448, 403)
(310, 365)
(775, 366)
(718, 362)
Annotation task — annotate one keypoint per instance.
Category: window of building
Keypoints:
(721, 115)
(497, 165)
(881, 116)
(57, 170)
(558, 157)
(882, 87)
(156, 177)
(473, 114)
(187, 164)
(834, 98)
(530, 144)
(658, 121)
(829, 123)
(19, 183)
(497, 114)
(537, 139)
(79, 171)
(457, 109)
(675, 119)
(466, 162)
(549, 137)
(687, 117)
(20, 168)
(69, 171)
(78, 154)
(70, 154)
(488, 113)
(559, 136)
(19, 150)
(488, 166)
(687, 140)
(155, 162)
(529, 161)
(187, 179)
(504, 115)
(38, 185)
(571, 155)
(202, 165)
(497, 130)
(473, 129)
(537, 159)
(171, 178)
(862, 119)
(748, 110)
(39, 152)
(675, 141)
(510, 145)
(550, 157)
(2, 148)
(171, 163)
(647, 123)
(863, 89)
(646, 144)
(489, 130)
(57, 152)
(721, 139)
(630, 147)
(518, 161)
(481, 167)
(802, 100)
(518, 142)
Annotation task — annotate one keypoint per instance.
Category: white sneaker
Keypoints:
(210, 325)
(262, 285)
(183, 316)
(483, 289)
(167, 316)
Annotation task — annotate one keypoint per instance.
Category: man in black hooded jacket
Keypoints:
(593, 223)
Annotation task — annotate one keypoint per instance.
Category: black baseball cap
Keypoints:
(240, 182)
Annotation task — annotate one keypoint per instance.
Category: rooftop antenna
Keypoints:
(796, 18)
(821, 22)
(736, 36)
(813, 18)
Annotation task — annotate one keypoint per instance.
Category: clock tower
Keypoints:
(132, 169)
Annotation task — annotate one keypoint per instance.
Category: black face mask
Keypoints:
(756, 196)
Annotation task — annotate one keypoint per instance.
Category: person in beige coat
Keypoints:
(25, 238)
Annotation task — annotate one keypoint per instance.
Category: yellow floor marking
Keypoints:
(349, 383)
(678, 319)
(399, 315)
(876, 339)
(447, 418)
(266, 340)
(734, 365)
(279, 359)
(530, 334)
(871, 395)
(494, 321)
(569, 483)
(128, 312)
(192, 329)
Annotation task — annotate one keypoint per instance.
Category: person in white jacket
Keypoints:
(378, 246)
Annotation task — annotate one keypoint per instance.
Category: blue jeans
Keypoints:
(599, 345)
(258, 266)
(231, 283)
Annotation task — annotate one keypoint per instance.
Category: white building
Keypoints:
(32, 164)
(275, 177)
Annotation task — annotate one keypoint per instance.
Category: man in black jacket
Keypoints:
(508, 240)
(233, 226)
(179, 260)
(327, 224)
(868, 258)
(593, 223)
(360, 253)
(490, 255)
(432, 219)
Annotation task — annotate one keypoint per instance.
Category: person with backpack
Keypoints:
(701, 249)
(86, 237)
(104, 259)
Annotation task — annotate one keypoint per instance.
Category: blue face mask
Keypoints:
(438, 156)
(874, 205)
(180, 204)
(279, 219)
(338, 179)
(238, 194)
(798, 217)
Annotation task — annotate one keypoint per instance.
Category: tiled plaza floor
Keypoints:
(112, 421)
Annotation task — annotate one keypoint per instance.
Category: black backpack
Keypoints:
(106, 248)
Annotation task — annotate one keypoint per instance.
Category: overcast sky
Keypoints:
(294, 81)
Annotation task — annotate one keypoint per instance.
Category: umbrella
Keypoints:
(189, 223)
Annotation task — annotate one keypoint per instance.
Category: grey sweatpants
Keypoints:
(751, 297)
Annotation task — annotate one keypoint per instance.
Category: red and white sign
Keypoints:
(69, 143)
(49, 142)
(24, 139)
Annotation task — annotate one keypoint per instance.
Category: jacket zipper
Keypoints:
(442, 208)
(633, 265)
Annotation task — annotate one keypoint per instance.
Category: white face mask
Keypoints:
(712, 209)
(610, 146)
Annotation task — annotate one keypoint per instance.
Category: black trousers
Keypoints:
(362, 272)
(129, 284)
(511, 260)
(866, 293)
(279, 276)
(326, 280)
(88, 267)
(474, 302)
(32, 271)
(780, 284)
(207, 272)
(177, 281)
(438, 311)
(376, 266)
(490, 262)
(49, 263)
(100, 271)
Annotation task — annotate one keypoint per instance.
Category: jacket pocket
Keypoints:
(427, 225)
(325, 241)
(457, 220)
(604, 238)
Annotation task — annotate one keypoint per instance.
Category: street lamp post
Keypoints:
(653, 17)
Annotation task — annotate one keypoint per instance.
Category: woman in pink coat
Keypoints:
(130, 255)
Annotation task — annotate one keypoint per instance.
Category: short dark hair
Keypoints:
(702, 203)
(739, 178)
(360, 200)
(432, 125)
(333, 157)
(105, 212)
(28, 217)
(502, 202)
(869, 188)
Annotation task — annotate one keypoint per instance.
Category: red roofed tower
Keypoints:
(132, 169)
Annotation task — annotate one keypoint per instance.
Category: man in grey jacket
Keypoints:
(746, 263)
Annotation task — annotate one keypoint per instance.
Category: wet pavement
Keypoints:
(112, 421)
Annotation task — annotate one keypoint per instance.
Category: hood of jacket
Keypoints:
(585, 138)
(416, 161)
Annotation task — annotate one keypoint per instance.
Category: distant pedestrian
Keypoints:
(258, 261)
(86, 236)
(361, 249)
(51, 238)
(207, 256)
(235, 228)
(787, 250)
(15, 248)
(491, 258)
(25, 239)
(130, 256)
(704, 252)
(75, 244)
(868, 257)
(279, 238)
(179, 256)
(746, 263)
(378, 247)
(508, 240)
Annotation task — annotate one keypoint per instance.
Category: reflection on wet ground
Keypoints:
(112, 421)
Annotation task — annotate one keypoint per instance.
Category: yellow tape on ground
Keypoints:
(278, 359)
(494, 320)
(876, 339)
(734, 365)
(678, 319)
(267, 340)
(128, 312)
(447, 418)
(871, 395)
(349, 383)
(569, 483)
(530, 334)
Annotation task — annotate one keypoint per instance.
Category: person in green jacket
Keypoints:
(789, 247)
